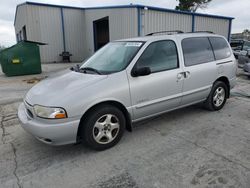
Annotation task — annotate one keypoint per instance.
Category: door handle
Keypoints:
(186, 74)
(180, 76)
(183, 75)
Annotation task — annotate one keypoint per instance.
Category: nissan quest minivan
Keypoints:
(127, 81)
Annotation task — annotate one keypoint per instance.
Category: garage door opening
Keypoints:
(101, 32)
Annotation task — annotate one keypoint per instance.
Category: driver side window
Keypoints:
(159, 56)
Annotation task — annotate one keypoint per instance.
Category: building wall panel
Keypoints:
(153, 21)
(33, 24)
(51, 33)
(21, 18)
(74, 28)
(218, 26)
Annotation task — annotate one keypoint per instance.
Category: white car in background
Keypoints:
(239, 47)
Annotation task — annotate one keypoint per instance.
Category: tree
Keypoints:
(246, 31)
(193, 5)
(246, 34)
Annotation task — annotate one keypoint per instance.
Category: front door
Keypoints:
(161, 90)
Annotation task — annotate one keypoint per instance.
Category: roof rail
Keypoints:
(202, 32)
(174, 31)
(178, 32)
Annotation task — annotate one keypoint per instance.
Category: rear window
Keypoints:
(220, 47)
(197, 51)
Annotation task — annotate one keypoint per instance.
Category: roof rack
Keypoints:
(203, 32)
(178, 32)
(159, 32)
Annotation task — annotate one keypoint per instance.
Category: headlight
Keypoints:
(50, 112)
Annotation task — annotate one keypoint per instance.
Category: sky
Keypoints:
(239, 9)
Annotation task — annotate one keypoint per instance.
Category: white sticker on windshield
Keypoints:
(133, 44)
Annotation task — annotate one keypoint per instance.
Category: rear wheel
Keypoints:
(103, 127)
(217, 97)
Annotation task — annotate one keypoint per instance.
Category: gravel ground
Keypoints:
(190, 147)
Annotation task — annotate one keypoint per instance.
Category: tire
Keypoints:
(214, 103)
(103, 128)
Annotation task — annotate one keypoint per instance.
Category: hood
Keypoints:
(57, 90)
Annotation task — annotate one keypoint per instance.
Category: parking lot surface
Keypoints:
(190, 147)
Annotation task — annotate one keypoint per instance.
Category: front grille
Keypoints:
(29, 113)
(29, 109)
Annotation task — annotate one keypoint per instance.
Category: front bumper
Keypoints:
(59, 133)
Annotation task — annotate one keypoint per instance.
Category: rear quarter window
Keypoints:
(220, 47)
(197, 50)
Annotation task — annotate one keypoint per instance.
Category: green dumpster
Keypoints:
(21, 59)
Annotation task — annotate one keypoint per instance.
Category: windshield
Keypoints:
(113, 57)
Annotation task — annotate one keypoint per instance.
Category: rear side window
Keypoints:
(159, 56)
(220, 47)
(197, 51)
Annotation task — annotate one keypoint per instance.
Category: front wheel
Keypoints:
(103, 127)
(217, 97)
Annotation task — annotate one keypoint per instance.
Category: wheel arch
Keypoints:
(226, 81)
(109, 102)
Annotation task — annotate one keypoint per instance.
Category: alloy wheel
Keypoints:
(106, 129)
(219, 96)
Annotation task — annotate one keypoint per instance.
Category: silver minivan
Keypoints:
(127, 81)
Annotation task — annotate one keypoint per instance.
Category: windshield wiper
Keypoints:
(90, 69)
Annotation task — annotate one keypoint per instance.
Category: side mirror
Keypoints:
(143, 71)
